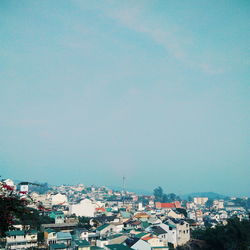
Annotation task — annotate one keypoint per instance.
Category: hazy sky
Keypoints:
(157, 91)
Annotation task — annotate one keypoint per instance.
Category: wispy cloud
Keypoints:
(135, 17)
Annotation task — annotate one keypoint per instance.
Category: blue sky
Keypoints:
(157, 91)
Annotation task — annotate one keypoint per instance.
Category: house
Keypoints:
(182, 230)
(49, 236)
(100, 220)
(86, 208)
(82, 245)
(132, 224)
(57, 246)
(117, 247)
(191, 215)
(100, 210)
(161, 233)
(154, 241)
(174, 214)
(58, 216)
(105, 229)
(64, 237)
(9, 184)
(20, 239)
(125, 215)
(58, 199)
(138, 244)
(142, 216)
(218, 204)
(83, 234)
(116, 239)
(102, 242)
(175, 204)
(200, 200)
(172, 233)
(140, 235)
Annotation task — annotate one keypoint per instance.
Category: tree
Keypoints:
(172, 197)
(209, 203)
(84, 222)
(182, 211)
(14, 209)
(11, 207)
(158, 194)
(233, 236)
(165, 198)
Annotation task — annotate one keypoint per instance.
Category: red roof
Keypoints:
(146, 238)
(101, 209)
(175, 204)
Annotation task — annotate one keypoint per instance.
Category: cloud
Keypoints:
(133, 19)
(136, 17)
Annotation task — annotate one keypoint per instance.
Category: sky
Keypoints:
(156, 91)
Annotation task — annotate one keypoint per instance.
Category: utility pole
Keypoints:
(123, 184)
(123, 189)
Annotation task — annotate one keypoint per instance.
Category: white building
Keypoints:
(21, 239)
(10, 183)
(85, 208)
(59, 199)
(200, 200)
(218, 204)
(178, 231)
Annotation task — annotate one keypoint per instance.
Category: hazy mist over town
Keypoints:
(155, 91)
(124, 125)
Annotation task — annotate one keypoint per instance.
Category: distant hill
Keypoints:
(210, 195)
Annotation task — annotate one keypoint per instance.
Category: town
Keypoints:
(91, 217)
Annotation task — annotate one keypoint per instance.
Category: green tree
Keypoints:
(84, 222)
(209, 203)
(158, 194)
(11, 207)
(233, 236)
(182, 211)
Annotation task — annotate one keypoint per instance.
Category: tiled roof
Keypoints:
(102, 227)
(58, 246)
(20, 232)
(49, 230)
(117, 247)
(175, 204)
(140, 235)
(100, 209)
(171, 225)
(104, 218)
(158, 230)
(15, 233)
(82, 243)
(142, 215)
(147, 238)
(131, 241)
(64, 236)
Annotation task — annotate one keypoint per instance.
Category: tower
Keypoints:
(123, 184)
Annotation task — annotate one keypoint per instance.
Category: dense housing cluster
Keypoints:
(81, 217)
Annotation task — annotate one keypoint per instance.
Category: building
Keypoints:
(20, 239)
(59, 199)
(200, 200)
(175, 204)
(85, 208)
